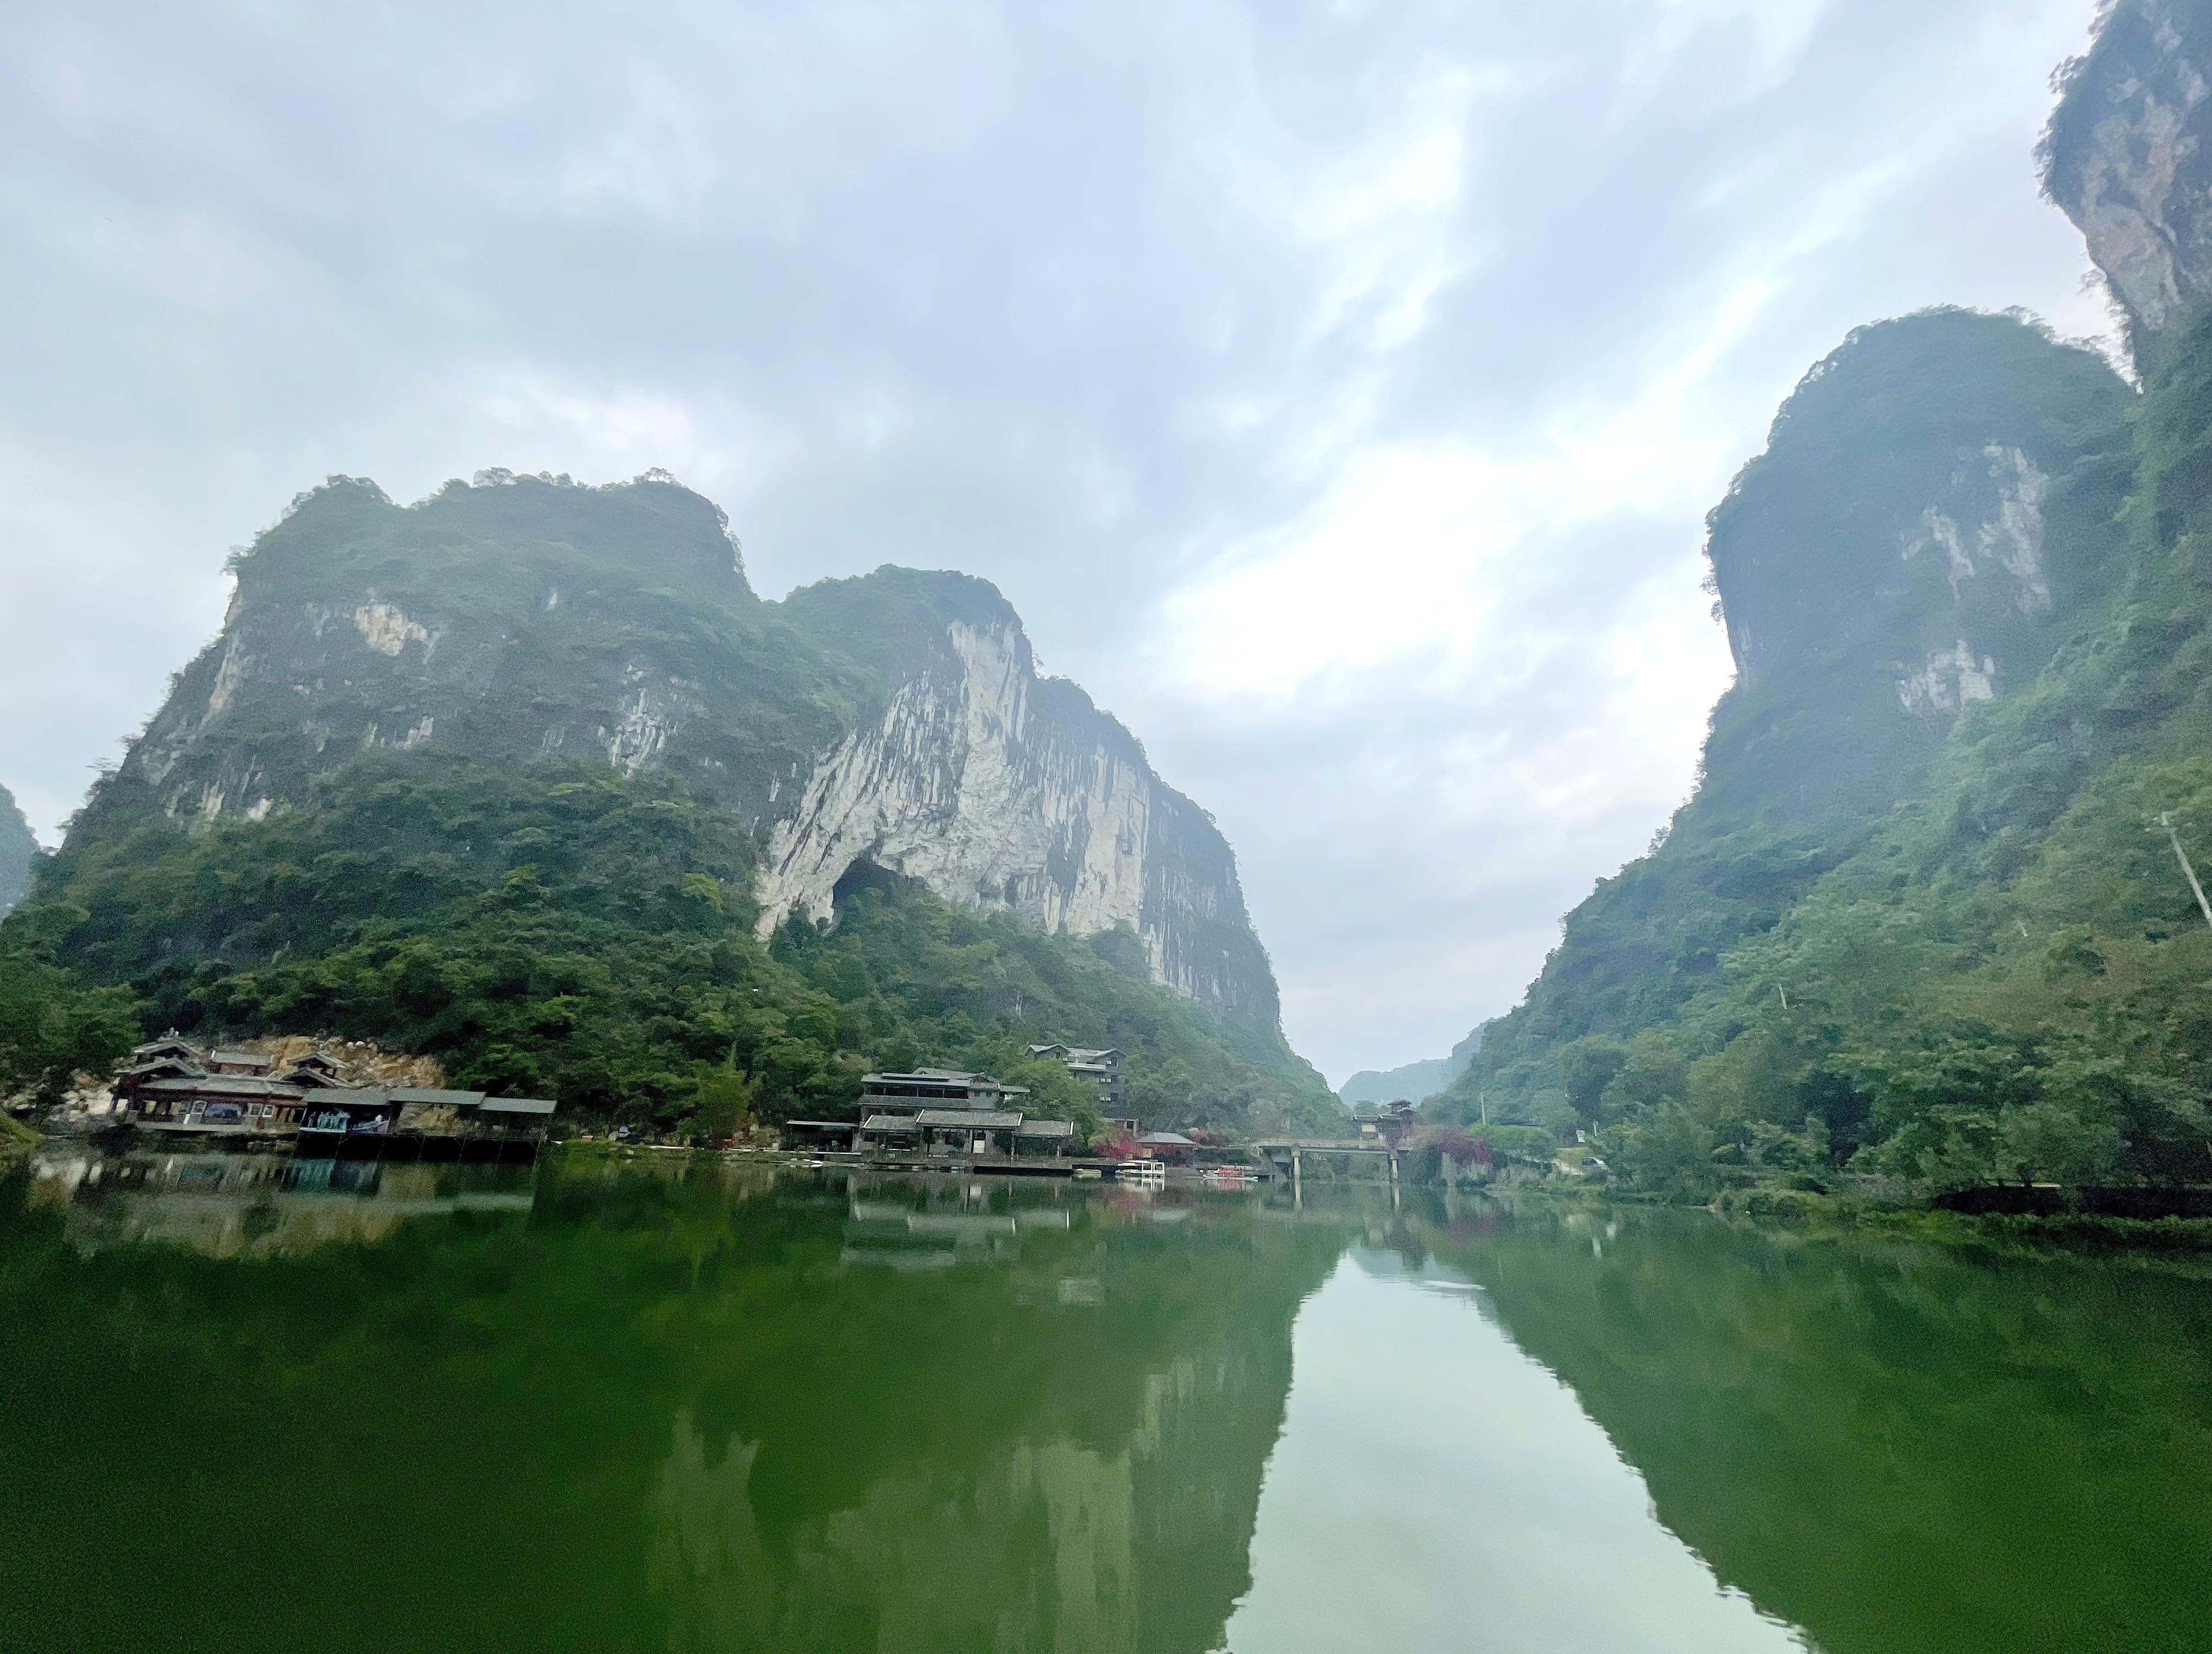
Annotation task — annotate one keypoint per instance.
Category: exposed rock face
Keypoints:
(2126, 157)
(1000, 790)
(893, 723)
(1929, 504)
(18, 849)
(359, 624)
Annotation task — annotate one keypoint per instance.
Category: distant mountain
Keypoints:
(1413, 1082)
(18, 849)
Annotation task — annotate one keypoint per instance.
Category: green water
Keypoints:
(706, 1407)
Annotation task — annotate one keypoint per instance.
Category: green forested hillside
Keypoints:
(520, 775)
(567, 932)
(18, 850)
(1937, 953)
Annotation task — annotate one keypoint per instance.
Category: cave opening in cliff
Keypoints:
(866, 875)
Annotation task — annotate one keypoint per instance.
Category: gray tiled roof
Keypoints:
(984, 1119)
(517, 1105)
(222, 1085)
(355, 1097)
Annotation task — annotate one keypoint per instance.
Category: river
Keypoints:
(252, 1405)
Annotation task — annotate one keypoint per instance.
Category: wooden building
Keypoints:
(171, 1086)
(937, 1114)
(910, 1093)
(1170, 1146)
(1397, 1122)
(424, 1123)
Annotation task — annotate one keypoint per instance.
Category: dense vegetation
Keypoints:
(18, 851)
(565, 932)
(525, 619)
(52, 1025)
(2001, 974)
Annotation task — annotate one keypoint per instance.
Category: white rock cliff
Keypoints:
(894, 723)
(965, 785)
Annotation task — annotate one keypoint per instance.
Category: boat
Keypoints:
(1143, 1174)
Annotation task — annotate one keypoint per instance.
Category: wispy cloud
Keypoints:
(1336, 388)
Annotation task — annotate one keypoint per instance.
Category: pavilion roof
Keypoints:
(223, 1085)
(891, 1123)
(517, 1106)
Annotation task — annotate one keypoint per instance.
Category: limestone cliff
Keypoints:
(1965, 589)
(892, 726)
(1930, 526)
(2126, 157)
(1928, 510)
(1005, 790)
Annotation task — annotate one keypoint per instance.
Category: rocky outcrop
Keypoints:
(2126, 157)
(1932, 499)
(1007, 792)
(892, 726)
(520, 619)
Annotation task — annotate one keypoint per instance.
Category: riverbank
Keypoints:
(1812, 1216)
(16, 1140)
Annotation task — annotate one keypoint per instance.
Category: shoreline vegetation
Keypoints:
(1798, 1213)
(1973, 962)
(1789, 1213)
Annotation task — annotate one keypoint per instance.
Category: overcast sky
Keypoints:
(1336, 389)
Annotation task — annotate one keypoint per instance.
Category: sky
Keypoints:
(1337, 389)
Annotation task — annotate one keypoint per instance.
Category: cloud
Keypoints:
(1336, 388)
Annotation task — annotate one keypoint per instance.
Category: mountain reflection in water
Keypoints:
(715, 1407)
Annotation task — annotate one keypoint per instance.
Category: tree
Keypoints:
(53, 1027)
(725, 1102)
(1586, 1067)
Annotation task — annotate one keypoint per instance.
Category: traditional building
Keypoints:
(423, 1122)
(1167, 1146)
(1397, 1122)
(1102, 1069)
(910, 1093)
(939, 1112)
(170, 1086)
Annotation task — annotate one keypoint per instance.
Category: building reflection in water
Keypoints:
(253, 1205)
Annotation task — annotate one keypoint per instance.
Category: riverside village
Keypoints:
(336, 1099)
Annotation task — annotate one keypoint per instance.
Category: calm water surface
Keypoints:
(256, 1406)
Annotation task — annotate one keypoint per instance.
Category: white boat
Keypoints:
(1144, 1174)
